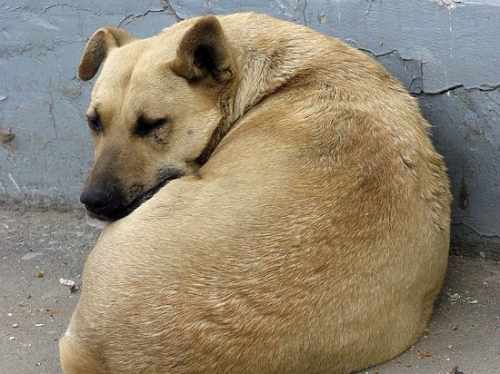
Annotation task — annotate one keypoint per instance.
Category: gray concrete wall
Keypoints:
(445, 51)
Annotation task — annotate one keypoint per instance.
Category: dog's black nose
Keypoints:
(96, 200)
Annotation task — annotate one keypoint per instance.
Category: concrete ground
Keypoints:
(38, 248)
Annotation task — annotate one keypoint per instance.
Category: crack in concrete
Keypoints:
(482, 88)
(49, 7)
(51, 109)
(303, 12)
(444, 90)
(475, 231)
(370, 6)
(419, 79)
(379, 54)
(166, 8)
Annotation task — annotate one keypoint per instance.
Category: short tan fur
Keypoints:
(301, 222)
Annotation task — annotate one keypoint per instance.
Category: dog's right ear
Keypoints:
(97, 50)
(204, 51)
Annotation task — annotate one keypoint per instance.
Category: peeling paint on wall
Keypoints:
(448, 4)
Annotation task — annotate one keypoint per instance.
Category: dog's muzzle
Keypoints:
(110, 204)
(102, 203)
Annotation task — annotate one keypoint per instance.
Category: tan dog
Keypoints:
(306, 230)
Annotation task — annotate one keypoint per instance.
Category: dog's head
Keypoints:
(154, 111)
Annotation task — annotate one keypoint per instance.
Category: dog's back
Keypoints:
(313, 240)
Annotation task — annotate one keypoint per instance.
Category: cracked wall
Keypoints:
(445, 52)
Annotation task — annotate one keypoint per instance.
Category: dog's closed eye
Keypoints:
(94, 123)
(146, 126)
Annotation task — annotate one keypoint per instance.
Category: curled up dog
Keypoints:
(275, 205)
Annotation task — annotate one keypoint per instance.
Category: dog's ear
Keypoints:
(204, 50)
(98, 47)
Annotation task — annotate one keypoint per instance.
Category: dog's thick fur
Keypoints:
(307, 227)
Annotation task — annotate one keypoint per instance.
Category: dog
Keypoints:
(274, 205)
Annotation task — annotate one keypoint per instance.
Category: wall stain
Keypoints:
(8, 139)
(463, 196)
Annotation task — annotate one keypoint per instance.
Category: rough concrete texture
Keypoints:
(34, 310)
(445, 52)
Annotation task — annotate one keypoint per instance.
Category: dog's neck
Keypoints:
(263, 69)
(225, 124)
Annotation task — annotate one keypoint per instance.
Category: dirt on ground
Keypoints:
(43, 252)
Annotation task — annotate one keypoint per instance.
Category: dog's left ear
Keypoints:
(204, 51)
(97, 49)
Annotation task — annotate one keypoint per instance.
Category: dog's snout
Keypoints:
(96, 200)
